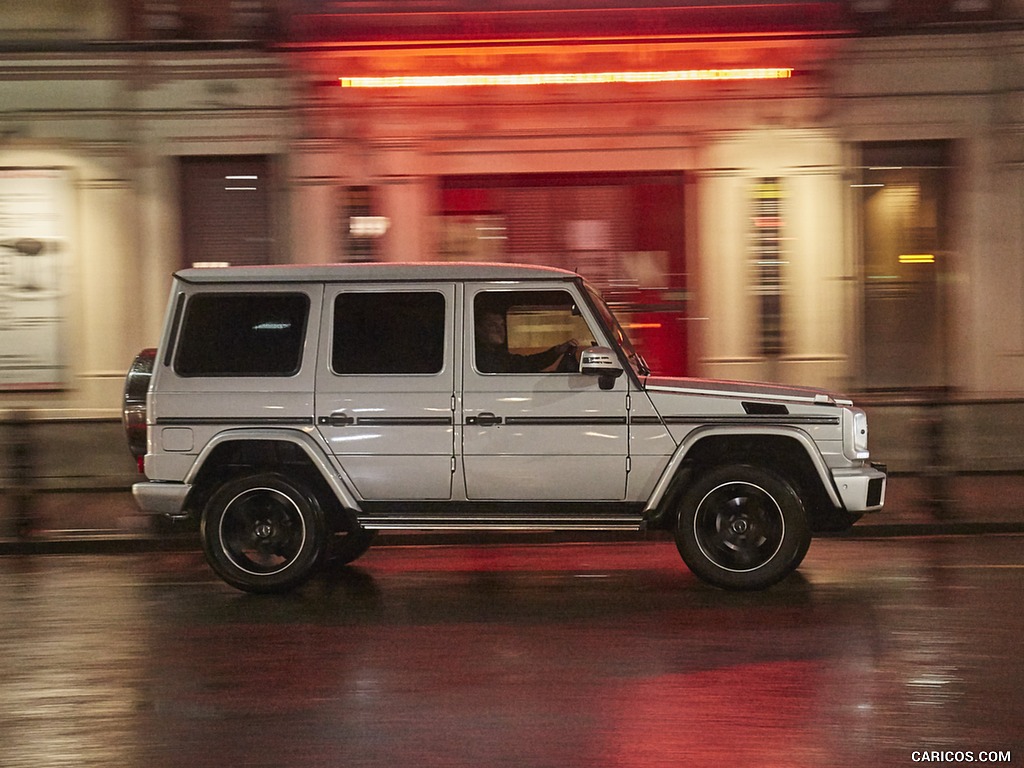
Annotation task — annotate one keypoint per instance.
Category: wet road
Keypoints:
(528, 656)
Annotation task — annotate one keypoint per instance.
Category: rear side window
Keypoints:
(242, 334)
(388, 333)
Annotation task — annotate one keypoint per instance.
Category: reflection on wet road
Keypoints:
(528, 656)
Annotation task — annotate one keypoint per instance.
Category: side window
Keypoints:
(528, 332)
(388, 332)
(242, 334)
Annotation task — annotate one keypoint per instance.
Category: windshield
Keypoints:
(635, 359)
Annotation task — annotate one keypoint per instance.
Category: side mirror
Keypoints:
(601, 362)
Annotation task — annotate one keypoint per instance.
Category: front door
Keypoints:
(386, 389)
(534, 427)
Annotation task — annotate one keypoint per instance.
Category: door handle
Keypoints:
(484, 419)
(337, 419)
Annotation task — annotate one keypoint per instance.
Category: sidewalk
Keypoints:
(107, 520)
(957, 504)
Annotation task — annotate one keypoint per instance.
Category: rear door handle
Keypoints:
(485, 419)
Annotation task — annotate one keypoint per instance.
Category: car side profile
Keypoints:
(295, 411)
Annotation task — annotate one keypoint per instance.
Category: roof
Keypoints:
(372, 272)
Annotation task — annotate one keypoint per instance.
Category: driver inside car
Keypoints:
(493, 355)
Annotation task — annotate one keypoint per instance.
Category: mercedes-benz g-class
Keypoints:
(296, 411)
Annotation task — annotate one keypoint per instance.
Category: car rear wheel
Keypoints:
(264, 532)
(742, 527)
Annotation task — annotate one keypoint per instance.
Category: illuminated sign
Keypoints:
(368, 226)
(566, 78)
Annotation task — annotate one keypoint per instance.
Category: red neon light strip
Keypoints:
(566, 78)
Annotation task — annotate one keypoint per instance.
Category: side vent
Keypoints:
(766, 409)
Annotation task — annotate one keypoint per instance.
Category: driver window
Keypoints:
(528, 332)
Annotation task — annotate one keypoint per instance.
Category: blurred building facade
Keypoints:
(828, 192)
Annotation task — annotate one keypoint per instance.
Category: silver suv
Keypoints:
(295, 411)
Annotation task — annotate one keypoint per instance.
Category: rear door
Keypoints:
(385, 388)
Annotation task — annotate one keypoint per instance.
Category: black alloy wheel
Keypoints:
(264, 532)
(742, 527)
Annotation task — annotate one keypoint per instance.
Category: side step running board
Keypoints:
(440, 523)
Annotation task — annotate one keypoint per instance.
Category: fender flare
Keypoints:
(336, 479)
(672, 469)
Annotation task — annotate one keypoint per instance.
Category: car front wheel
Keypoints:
(350, 544)
(264, 532)
(741, 527)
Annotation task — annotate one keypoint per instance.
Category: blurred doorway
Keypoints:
(225, 210)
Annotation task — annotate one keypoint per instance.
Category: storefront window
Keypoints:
(904, 191)
(361, 226)
(622, 231)
(767, 259)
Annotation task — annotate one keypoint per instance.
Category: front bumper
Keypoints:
(862, 489)
(161, 498)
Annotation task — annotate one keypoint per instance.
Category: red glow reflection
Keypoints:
(761, 715)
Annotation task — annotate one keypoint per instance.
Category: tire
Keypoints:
(350, 544)
(264, 532)
(742, 527)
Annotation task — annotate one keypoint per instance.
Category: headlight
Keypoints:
(855, 434)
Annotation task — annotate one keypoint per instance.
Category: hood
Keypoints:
(744, 389)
